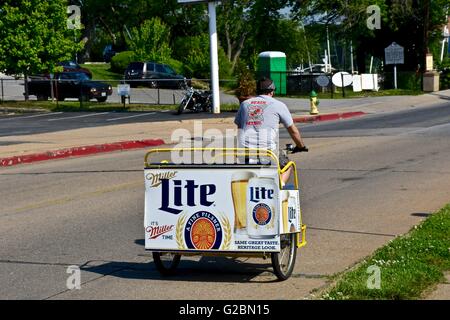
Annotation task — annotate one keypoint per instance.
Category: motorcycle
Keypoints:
(195, 100)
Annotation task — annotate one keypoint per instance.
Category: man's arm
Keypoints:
(296, 136)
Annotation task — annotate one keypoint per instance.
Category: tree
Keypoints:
(196, 58)
(151, 41)
(234, 24)
(110, 21)
(34, 37)
(413, 24)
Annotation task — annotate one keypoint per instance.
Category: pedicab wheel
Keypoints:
(166, 263)
(283, 262)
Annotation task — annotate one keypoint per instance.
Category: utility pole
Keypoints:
(213, 49)
(329, 51)
(214, 56)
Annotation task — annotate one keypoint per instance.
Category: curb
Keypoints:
(80, 151)
(329, 117)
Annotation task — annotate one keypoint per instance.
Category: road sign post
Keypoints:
(214, 56)
(394, 54)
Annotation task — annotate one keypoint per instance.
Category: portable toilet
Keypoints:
(272, 64)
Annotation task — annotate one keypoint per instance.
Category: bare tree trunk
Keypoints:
(238, 51)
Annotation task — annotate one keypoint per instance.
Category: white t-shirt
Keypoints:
(258, 119)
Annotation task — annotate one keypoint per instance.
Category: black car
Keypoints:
(152, 74)
(70, 85)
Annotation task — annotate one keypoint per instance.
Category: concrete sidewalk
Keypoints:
(14, 146)
(442, 292)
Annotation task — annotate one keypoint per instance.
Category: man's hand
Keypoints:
(300, 149)
(295, 135)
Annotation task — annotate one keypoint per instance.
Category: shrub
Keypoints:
(121, 60)
(444, 70)
(194, 53)
(176, 65)
(246, 82)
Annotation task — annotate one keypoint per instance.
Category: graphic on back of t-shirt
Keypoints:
(256, 114)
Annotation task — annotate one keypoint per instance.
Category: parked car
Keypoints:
(72, 66)
(70, 85)
(154, 75)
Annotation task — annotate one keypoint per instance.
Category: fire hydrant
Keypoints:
(314, 101)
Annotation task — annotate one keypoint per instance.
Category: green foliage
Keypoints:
(121, 60)
(176, 65)
(194, 53)
(409, 264)
(444, 69)
(246, 82)
(34, 36)
(150, 41)
(407, 80)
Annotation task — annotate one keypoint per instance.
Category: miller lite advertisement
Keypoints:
(219, 209)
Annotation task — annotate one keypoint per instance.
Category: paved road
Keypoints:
(20, 125)
(358, 192)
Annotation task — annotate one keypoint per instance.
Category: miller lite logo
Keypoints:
(176, 194)
(260, 193)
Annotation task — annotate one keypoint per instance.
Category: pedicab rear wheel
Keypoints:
(283, 262)
(166, 263)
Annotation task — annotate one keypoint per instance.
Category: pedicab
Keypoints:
(214, 202)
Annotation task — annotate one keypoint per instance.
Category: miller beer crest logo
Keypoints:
(203, 231)
(262, 214)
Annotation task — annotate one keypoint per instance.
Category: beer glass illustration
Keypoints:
(284, 210)
(239, 184)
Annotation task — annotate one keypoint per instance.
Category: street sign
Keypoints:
(323, 81)
(394, 54)
(342, 79)
(123, 90)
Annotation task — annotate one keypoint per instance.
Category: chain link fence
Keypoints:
(171, 92)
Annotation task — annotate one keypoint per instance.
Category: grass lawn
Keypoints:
(102, 72)
(409, 265)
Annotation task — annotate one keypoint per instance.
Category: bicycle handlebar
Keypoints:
(291, 149)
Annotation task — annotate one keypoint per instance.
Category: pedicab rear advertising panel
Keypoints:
(236, 210)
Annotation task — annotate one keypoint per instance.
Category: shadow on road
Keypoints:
(441, 96)
(207, 269)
